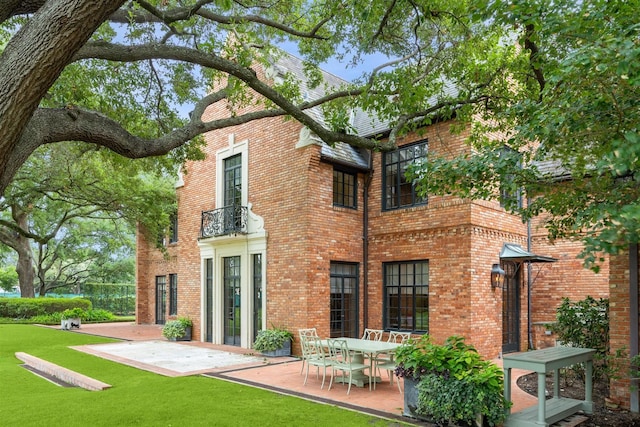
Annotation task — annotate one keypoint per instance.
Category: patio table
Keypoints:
(547, 412)
(361, 347)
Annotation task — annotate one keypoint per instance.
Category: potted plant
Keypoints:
(274, 342)
(450, 384)
(178, 329)
(71, 318)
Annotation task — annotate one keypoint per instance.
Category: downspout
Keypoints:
(634, 404)
(365, 242)
(529, 324)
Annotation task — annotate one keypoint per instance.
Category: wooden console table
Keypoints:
(547, 412)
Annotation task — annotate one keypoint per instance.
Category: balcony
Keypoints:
(224, 221)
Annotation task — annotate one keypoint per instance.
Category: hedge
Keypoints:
(24, 308)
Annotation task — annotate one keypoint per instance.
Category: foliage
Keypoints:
(73, 313)
(585, 324)
(72, 212)
(433, 58)
(8, 278)
(571, 121)
(456, 384)
(176, 328)
(271, 339)
(24, 308)
(118, 298)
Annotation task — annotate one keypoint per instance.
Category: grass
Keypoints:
(139, 398)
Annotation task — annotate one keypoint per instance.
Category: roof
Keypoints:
(340, 153)
(513, 252)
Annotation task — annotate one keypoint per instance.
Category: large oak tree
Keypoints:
(145, 57)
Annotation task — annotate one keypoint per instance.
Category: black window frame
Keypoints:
(173, 294)
(405, 281)
(173, 228)
(341, 187)
(395, 161)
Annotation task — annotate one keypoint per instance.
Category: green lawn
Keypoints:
(139, 398)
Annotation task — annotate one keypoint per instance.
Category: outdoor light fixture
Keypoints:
(497, 276)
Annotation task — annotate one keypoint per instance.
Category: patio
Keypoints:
(152, 352)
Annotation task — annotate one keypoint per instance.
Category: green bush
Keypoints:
(271, 339)
(88, 316)
(25, 308)
(585, 324)
(455, 383)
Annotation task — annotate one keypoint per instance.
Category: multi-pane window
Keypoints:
(344, 189)
(398, 192)
(173, 228)
(173, 294)
(510, 195)
(406, 296)
(233, 181)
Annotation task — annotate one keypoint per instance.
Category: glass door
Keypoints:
(232, 300)
(511, 308)
(344, 300)
(161, 300)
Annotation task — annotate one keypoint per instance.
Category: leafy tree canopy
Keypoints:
(113, 74)
(572, 125)
(72, 208)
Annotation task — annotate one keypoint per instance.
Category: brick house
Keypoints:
(277, 228)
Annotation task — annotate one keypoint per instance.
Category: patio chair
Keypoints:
(304, 333)
(385, 362)
(372, 334)
(318, 357)
(342, 360)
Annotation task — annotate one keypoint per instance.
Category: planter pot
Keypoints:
(285, 350)
(185, 337)
(411, 399)
(411, 403)
(68, 324)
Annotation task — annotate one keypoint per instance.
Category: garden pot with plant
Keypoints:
(450, 384)
(71, 318)
(178, 329)
(274, 342)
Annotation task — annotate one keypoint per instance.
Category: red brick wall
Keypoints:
(620, 320)
(291, 189)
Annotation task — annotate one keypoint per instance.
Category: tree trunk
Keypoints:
(24, 268)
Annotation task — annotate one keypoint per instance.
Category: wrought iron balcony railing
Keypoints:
(224, 221)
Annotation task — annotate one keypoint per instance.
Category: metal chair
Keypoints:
(385, 362)
(372, 334)
(318, 357)
(304, 333)
(342, 360)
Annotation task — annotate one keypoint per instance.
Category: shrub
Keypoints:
(176, 328)
(271, 339)
(455, 383)
(24, 308)
(585, 324)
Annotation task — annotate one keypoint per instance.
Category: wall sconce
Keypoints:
(497, 276)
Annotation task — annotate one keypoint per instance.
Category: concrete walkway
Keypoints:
(145, 348)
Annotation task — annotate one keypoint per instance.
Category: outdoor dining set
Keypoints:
(351, 357)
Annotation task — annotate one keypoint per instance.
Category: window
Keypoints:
(397, 191)
(173, 228)
(344, 189)
(173, 294)
(510, 195)
(406, 296)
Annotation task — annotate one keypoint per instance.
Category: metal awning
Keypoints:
(513, 252)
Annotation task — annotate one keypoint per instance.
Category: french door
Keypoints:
(231, 279)
(511, 308)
